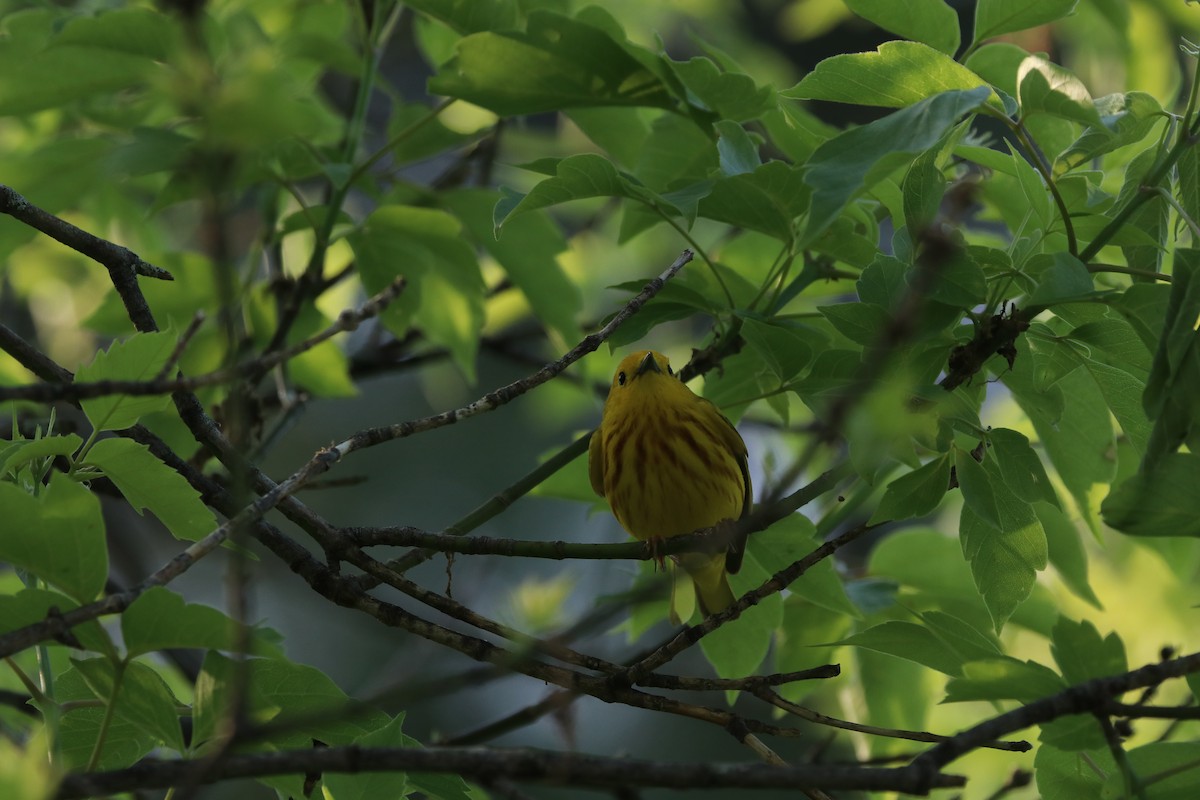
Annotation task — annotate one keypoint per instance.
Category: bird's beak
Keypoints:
(648, 364)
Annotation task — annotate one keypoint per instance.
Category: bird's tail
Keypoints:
(713, 592)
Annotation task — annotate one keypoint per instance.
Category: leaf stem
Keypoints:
(698, 249)
(1187, 138)
(1043, 166)
(110, 711)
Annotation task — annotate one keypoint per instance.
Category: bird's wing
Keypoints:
(596, 461)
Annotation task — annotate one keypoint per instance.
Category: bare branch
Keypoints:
(525, 764)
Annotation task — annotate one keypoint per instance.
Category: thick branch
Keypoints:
(559, 769)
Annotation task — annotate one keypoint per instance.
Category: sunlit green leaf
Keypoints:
(57, 535)
(149, 484)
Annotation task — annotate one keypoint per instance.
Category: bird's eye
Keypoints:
(620, 378)
(669, 370)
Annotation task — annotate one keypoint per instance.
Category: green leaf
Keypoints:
(1123, 394)
(977, 491)
(57, 535)
(859, 322)
(731, 95)
(882, 282)
(768, 200)
(1048, 88)
(371, 785)
(124, 742)
(445, 289)
(916, 494)
(1006, 556)
(557, 63)
(144, 699)
(789, 540)
(1078, 435)
(911, 642)
(148, 483)
(1124, 119)
(22, 452)
(1173, 388)
(960, 283)
(1020, 467)
(1066, 280)
(803, 624)
(138, 358)
(294, 695)
(159, 619)
(738, 151)
(898, 694)
(929, 21)
(1082, 655)
(528, 253)
(855, 159)
(622, 132)
(784, 347)
(1004, 679)
(417, 136)
(968, 642)
(30, 606)
(994, 17)
(1066, 552)
(574, 178)
(898, 74)
(91, 58)
(469, 16)
(923, 187)
(739, 650)
(1162, 501)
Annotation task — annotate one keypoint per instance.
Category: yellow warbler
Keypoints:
(669, 463)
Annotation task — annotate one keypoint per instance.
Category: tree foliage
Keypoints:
(959, 334)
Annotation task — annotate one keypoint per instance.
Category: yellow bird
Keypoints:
(669, 463)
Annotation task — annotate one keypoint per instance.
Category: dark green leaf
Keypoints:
(144, 699)
(30, 606)
(911, 642)
(557, 63)
(737, 149)
(1020, 467)
(372, 785)
(929, 21)
(159, 619)
(1005, 557)
(283, 692)
(858, 322)
(768, 200)
(1082, 654)
(855, 159)
(916, 494)
(730, 95)
(1163, 501)
(994, 17)
(1066, 551)
(787, 349)
(1004, 679)
(1124, 119)
(1065, 280)
(445, 290)
(528, 252)
(79, 728)
(470, 16)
